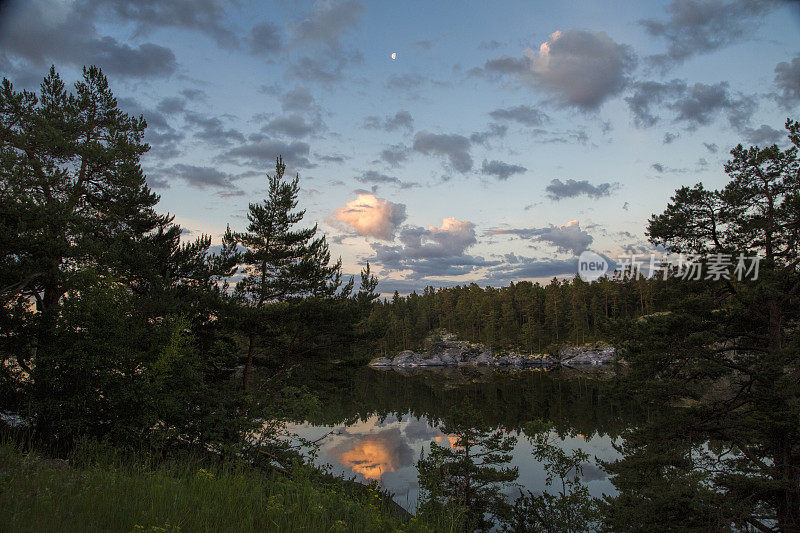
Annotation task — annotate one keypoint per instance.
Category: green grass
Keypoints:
(88, 494)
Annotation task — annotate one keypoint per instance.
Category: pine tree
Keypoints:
(280, 262)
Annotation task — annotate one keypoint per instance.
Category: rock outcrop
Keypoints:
(443, 349)
(589, 354)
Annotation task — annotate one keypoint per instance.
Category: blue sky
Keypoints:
(503, 140)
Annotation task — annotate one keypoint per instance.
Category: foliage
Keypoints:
(465, 479)
(524, 316)
(725, 357)
(571, 508)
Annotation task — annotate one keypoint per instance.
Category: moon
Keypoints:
(394, 55)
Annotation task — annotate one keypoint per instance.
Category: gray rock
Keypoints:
(588, 354)
(443, 349)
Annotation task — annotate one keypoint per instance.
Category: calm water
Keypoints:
(381, 420)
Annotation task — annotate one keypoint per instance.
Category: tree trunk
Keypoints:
(248, 366)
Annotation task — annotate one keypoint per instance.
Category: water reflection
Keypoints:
(380, 422)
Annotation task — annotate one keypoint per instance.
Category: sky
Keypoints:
(504, 138)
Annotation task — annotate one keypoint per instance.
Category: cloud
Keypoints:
(260, 151)
(432, 251)
(264, 39)
(394, 154)
(375, 454)
(372, 176)
(528, 267)
(764, 135)
(205, 16)
(41, 35)
(711, 147)
(164, 140)
(172, 105)
(371, 216)
(658, 167)
(693, 105)
(212, 130)
(292, 125)
(326, 23)
(401, 119)
(297, 99)
(200, 177)
(454, 147)
(670, 137)
(567, 238)
(787, 80)
(321, 69)
(523, 114)
(558, 190)
(495, 130)
(577, 68)
(489, 45)
(702, 26)
(500, 170)
(647, 94)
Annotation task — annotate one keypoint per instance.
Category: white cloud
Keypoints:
(371, 216)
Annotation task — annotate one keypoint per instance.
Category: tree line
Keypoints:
(525, 315)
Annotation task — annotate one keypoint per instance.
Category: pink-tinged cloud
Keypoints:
(371, 216)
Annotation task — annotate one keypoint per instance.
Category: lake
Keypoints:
(375, 423)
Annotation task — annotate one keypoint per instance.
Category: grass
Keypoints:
(90, 493)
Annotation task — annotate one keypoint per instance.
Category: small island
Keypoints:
(444, 349)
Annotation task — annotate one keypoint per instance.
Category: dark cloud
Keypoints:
(658, 167)
(558, 190)
(569, 238)
(264, 39)
(523, 114)
(205, 16)
(172, 105)
(435, 251)
(454, 147)
(787, 80)
(200, 177)
(702, 26)
(34, 34)
(501, 170)
(298, 99)
(649, 94)
(577, 68)
(405, 82)
(711, 147)
(401, 119)
(394, 154)
(527, 267)
(320, 69)
(164, 140)
(693, 105)
(670, 137)
(212, 130)
(260, 151)
(494, 130)
(372, 176)
(763, 135)
(292, 125)
(326, 23)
